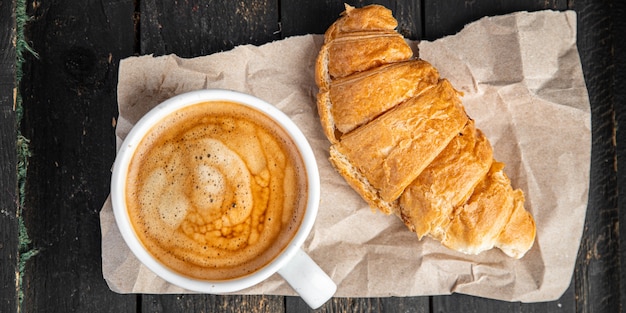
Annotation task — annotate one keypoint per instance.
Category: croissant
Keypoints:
(401, 138)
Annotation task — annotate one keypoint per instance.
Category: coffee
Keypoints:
(216, 190)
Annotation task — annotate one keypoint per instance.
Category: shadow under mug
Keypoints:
(293, 264)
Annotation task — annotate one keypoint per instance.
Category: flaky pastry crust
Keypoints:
(402, 140)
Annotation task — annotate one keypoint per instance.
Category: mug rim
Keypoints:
(154, 116)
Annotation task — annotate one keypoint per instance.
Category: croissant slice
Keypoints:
(361, 39)
(477, 224)
(372, 50)
(518, 234)
(357, 99)
(428, 202)
(368, 18)
(355, 178)
(402, 140)
(386, 149)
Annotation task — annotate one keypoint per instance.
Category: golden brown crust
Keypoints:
(356, 52)
(357, 99)
(368, 18)
(392, 150)
(326, 117)
(361, 39)
(447, 182)
(402, 140)
(322, 79)
(359, 183)
(476, 225)
(518, 235)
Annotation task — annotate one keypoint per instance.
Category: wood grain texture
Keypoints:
(393, 304)
(618, 13)
(464, 303)
(70, 103)
(597, 269)
(8, 205)
(211, 303)
(8, 161)
(314, 17)
(444, 18)
(197, 27)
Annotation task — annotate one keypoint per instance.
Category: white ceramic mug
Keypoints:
(293, 264)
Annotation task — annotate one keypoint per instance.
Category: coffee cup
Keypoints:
(215, 191)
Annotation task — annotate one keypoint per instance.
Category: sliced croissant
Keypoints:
(357, 99)
(428, 203)
(392, 150)
(401, 138)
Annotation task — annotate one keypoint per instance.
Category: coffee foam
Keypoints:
(218, 190)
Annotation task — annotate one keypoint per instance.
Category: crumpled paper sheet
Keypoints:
(524, 86)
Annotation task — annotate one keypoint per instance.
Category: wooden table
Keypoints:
(69, 111)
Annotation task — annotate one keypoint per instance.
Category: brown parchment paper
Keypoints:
(523, 84)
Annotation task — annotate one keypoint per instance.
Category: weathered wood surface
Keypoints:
(619, 93)
(598, 267)
(8, 160)
(70, 103)
(69, 99)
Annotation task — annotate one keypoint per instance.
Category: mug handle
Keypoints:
(308, 279)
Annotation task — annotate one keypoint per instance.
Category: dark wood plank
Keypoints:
(195, 28)
(406, 304)
(391, 304)
(8, 206)
(70, 103)
(597, 269)
(212, 303)
(618, 14)
(8, 161)
(314, 17)
(443, 18)
(464, 303)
